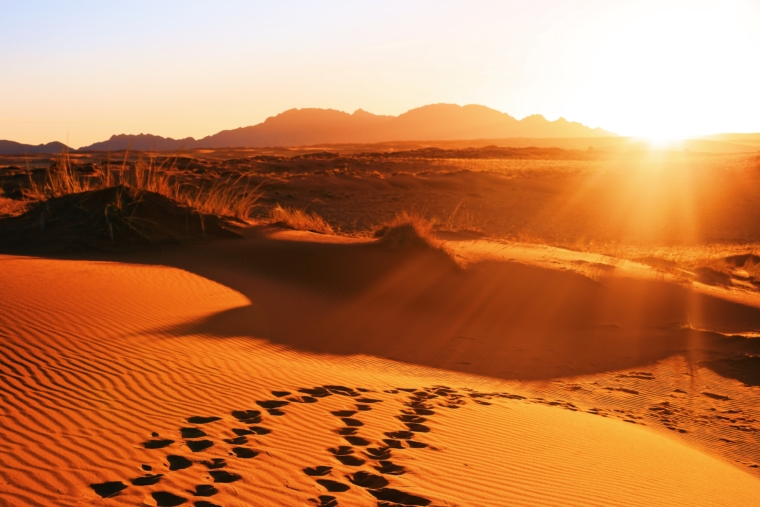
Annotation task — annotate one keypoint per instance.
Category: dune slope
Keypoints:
(112, 387)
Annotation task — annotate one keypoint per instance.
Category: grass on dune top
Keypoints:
(231, 197)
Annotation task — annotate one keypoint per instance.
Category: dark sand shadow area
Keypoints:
(502, 319)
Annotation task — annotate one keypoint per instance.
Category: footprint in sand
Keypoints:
(199, 445)
(302, 399)
(359, 441)
(368, 400)
(272, 403)
(342, 390)
(325, 501)
(411, 418)
(316, 392)
(419, 405)
(391, 442)
(396, 497)
(381, 453)
(333, 486)
(245, 453)
(178, 462)
(204, 490)
(146, 480)
(417, 428)
(198, 419)
(368, 480)
(224, 477)
(388, 468)
(108, 489)
(403, 435)
(214, 463)
(344, 454)
(318, 471)
(192, 433)
(166, 499)
(157, 444)
(247, 416)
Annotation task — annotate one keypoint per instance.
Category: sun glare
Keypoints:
(671, 75)
(662, 141)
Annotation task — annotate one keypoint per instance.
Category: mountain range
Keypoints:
(14, 148)
(311, 126)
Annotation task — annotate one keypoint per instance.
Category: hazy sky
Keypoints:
(81, 71)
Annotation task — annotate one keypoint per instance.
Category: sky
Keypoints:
(78, 72)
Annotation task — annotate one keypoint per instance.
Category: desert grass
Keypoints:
(460, 220)
(407, 229)
(231, 197)
(299, 219)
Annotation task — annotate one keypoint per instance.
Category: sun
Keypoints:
(672, 75)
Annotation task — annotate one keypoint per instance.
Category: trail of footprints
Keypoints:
(373, 461)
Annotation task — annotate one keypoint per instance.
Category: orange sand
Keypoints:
(98, 355)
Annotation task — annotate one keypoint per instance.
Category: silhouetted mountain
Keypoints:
(14, 148)
(309, 126)
(298, 127)
(141, 142)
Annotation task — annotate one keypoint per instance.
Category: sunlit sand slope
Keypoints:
(106, 402)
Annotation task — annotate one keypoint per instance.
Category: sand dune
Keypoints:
(346, 372)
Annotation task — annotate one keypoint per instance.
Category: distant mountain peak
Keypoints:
(311, 126)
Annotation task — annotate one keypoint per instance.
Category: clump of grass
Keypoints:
(228, 198)
(224, 197)
(61, 179)
(299, 219)
(752, 266)
(461, 220)
(407, 230)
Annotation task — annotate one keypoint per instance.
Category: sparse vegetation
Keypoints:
(407, 230)
(115, 218)
(224, 197)
(299, 219)
(461, 220)
(523, 200)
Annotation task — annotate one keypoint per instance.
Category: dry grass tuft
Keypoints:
(116, 218)
(60, 180)
(227, 198)
(461, 220)
(407, 230)
(299, 219)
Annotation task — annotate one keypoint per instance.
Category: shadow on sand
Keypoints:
(500, 319)
(416, 305)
